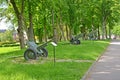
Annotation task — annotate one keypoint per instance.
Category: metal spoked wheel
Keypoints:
(45, 52)
(29, 54)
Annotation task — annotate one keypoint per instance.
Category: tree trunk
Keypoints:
(54, 28)
(30, 29)
(62, 32)
(45, 30)
(70, 33)
(40, 34)
(106, 32)
(98, 32)
(20, 33)
(83, 32)
(67, 32)
(61, 26)
(20, 22)
(103, 28)
(110, 33)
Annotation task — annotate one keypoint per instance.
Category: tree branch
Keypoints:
(15, 8)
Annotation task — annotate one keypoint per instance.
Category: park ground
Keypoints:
(71, 62)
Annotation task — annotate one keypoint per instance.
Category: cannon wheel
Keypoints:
(75, 42)
(45, 52)
(78, 41)
(29, 54)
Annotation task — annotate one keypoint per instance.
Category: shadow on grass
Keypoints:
(6, 56)
(17, 52)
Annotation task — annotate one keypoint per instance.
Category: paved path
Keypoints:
(108, 66)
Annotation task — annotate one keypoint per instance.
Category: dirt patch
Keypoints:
(21, 60)
(72, 60)
(41, 60)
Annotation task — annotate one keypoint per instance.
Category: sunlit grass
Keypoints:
(45, 69)
(87, 50)
(8, 49)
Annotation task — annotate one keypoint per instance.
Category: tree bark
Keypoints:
(54, 28)
(40, 34)
(83, 31)
(98, 32)
(110, 33)
(30, 29)
(106, 33)
(104, 30)
(45, 30)
(20, 33)
(61, 26)
(20, 22)
(67, 32)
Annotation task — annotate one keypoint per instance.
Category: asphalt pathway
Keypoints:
(108, 65)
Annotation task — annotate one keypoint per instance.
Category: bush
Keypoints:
(8, 44)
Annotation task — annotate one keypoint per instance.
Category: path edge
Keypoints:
(86, 75)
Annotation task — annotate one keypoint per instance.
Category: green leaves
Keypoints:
(116, 30)
(71, 13)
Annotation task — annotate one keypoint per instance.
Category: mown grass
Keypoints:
(44, 69)
(87, 50)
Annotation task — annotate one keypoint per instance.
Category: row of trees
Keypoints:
(6, 36)
(60, 19)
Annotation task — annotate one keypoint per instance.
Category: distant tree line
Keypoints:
(60, 19)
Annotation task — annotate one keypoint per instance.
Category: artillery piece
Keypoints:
(75, 39)
(33, 51)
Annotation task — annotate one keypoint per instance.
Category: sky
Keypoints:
(3, 25)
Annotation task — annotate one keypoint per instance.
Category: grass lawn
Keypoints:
(72, 61)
